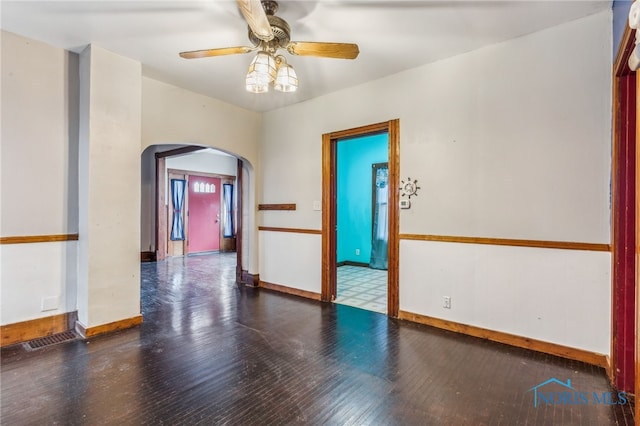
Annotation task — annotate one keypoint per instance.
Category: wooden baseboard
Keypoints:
(290, 230)
(148, 256)
(290, 290)
(593, 358)
(28, 330)
(108, 328)
(350, 263)
(609, 370)
(250, 279)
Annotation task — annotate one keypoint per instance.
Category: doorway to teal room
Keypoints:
(362, 221)
(330, 143)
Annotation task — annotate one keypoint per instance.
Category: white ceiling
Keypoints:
(392, 35)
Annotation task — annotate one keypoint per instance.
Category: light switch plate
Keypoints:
(317, 206)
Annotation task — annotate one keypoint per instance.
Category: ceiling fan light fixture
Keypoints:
(256, 83)
(264, 65)
(262, 71)
(268, 34)
(286, 78)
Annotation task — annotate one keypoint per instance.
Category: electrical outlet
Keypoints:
(357, 252)
(447, 302)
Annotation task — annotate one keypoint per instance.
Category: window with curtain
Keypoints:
(227, 213)
(178, 187)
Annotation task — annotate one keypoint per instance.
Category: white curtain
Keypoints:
(178, 187)
(380, 234)
(227, 217)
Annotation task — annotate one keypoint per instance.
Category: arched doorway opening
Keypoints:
(157, 209)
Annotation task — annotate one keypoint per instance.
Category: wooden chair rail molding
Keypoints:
(292, 230)
(564, 245)
(26, 239)
(276, 206)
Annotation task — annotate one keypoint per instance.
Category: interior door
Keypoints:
(204, 214)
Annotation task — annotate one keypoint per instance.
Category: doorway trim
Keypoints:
(625, 223)
(626, 116)
(161, 209)
(169, 209)
(161, 206)
(329, 211)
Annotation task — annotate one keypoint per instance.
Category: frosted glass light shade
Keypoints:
(286, 79)
(256, 83)
(262, 71)
(265, 65)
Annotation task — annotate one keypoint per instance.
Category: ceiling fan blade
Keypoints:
(256, 17)
(324, 50)
(194, 54)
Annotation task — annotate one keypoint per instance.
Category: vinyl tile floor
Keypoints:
(362, 287)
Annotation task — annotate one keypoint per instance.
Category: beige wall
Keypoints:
(174, 115)
(35, 131)
(109, 188)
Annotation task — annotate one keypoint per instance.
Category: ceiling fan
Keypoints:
(269, 33)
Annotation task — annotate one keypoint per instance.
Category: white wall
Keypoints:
(560, 296)
(40, 85)
(282, 260)
(509, 141)
(33, 272)
(39, 194)
(206, 162)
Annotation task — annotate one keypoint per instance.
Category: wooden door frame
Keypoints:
(329, 211)
(187, 173)
(622, 126)
(161, 202)
(239, 204)
(637, 250)
(161, 211)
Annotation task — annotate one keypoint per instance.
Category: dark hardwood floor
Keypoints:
(212, 352)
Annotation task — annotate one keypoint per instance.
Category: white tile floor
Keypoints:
(363, 288)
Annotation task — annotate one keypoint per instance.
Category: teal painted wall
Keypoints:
(355, 157)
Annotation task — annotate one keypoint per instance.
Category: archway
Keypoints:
(153, 235)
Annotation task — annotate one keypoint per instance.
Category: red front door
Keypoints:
(204, 214)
